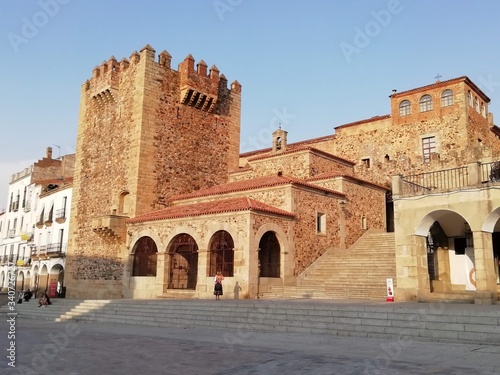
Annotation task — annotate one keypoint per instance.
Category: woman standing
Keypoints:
(218, 285)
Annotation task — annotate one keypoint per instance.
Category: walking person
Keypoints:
(218, 285)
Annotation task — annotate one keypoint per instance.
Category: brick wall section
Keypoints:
(309, 245)
(300, 164)
(136, 136)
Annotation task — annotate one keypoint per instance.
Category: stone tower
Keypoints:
(145, 132)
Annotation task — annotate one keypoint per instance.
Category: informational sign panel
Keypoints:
(390, 290)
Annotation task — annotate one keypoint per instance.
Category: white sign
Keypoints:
(390, 290)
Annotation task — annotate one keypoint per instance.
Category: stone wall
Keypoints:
(137, 136)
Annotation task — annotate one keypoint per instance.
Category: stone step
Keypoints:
(443, 322)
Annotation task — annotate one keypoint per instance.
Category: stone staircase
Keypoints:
(399, 321)
(359, 272)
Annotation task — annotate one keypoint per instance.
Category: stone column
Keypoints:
(411, 268)
(484, 262)
(201, 280)
(162, 272)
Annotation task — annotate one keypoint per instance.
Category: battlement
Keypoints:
(199, 88)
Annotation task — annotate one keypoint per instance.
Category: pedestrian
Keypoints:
(218, 285)
(44, 300)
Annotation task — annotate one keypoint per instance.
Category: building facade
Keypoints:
(162, 199)
(34, 229)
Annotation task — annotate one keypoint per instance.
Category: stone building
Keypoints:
(162, 198)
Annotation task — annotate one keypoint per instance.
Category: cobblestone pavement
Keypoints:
(107, 349)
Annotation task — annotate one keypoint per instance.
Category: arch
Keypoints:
(43, 279)
(405, 108)
(20, 281)
(269, 255)
(449, 249)
(221, 254)
(425, 103)
(447, 98)
(56, 280)
(145, 256)
(183, 264)
(34, 278)
(2, 279)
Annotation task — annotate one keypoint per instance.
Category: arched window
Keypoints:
(447, 98)
(404, 108)
(425, 103)
(483, 110)
(476, 104)
(469, 98)
(145, 251)
(221, 254)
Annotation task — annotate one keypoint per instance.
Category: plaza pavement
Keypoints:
(70, 348)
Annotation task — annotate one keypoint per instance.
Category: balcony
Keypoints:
(27, 207)
(15, 206)
(447, 180)
(26, 262)
(61, 215)
(56, 250)
(28, 237)
(109, 225)
(11, 233)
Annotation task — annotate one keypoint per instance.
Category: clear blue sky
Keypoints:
(311, 65)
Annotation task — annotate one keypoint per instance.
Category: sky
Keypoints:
(308, 66)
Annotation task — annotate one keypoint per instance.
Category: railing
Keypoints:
(447, 179)
(490, 172)
(55, 248)
(42, 250)
(60, 213)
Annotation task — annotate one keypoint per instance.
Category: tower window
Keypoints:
(365, 162)
(425, 103)
(405, 108)
(447, 98)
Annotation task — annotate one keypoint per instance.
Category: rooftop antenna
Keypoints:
(59, 148)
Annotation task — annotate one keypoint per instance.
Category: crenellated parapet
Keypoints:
(200, 87)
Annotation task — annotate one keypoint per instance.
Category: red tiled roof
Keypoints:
(298, 149)
(210, 208)
(255, 183)
(325, 176)
(374, 118)
(290, 145)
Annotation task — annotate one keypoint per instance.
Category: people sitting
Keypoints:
(27, 295)
(44, 300)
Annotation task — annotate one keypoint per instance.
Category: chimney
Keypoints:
(49, 153)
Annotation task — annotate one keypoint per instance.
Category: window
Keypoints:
(365, 162)
(483, 110)
(425, 103)
(405, 108)
(428, 147)
(364, 223)
(321, 223)
(469, 98)
(447, 98)
(476, 104)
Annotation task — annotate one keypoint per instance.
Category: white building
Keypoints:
(34, 228)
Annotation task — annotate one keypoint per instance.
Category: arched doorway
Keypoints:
(269, 255)
(56, 281)
(221, 254)
(145, 251)
(35, 279)
(20, 281)
(450, 251)
(183, 265)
